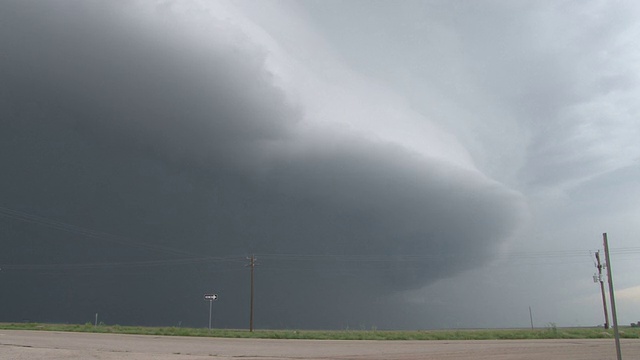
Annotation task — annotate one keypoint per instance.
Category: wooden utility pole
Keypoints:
(612, 298)
(604, 298)
(252, 265)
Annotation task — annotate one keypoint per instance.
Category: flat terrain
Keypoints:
(22, 344)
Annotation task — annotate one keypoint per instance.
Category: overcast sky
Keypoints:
(414, 164)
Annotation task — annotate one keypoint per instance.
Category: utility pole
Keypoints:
(252, 265)
(612, 298)
(604, 298)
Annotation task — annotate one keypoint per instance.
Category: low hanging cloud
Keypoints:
(166, 126)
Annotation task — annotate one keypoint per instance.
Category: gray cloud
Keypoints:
(521, 84)
(119, 118)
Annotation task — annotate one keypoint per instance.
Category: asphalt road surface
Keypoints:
(17, 345)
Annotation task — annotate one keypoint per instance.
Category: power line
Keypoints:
(192, 258)
(299, 261)
(59, 225)
(148, 263)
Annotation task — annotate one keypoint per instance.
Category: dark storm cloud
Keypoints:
(136, 121)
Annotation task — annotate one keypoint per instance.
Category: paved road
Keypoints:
(17, 345)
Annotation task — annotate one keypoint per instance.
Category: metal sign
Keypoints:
(211, 298)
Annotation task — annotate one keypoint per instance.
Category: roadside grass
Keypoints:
(549, 332)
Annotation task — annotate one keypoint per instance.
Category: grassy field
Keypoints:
(550, 332)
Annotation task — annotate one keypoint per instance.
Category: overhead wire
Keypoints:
(59, 225)
(186, 257)
(189, 258)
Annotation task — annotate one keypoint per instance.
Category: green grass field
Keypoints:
(550, 332)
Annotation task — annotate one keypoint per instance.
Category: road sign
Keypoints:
(211, 298)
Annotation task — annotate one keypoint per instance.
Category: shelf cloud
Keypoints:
(149, 147)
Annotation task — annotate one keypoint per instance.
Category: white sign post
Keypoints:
(211, 298)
